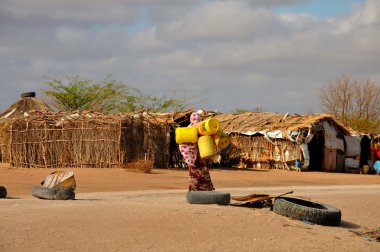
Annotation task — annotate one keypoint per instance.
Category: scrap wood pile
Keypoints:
(83, 139)
(144, 166)
(256, 200)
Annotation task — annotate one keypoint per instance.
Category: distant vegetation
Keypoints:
(75, 93)
(242, 111)
(356, 103)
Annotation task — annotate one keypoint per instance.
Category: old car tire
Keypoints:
(52, 193)
(208, 197)
(3, 192)
(309, 211)
(28, 94)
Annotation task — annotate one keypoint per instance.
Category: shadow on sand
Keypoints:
(348, 225)
(238, 169)
(90, 199)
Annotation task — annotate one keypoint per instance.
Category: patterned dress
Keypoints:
(199, 175)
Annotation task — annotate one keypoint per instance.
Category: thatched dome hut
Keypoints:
(27, 103)
(22, 108)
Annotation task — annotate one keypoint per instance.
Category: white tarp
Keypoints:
(306, 155)
(251, 133)
(309, 137)
(352, 145)
(272, 134)
(293, 135)
(331, 141)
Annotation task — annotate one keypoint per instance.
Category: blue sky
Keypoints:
(321, 8)
(142, 22)
(222, 54)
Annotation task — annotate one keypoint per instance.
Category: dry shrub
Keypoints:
(145, 166)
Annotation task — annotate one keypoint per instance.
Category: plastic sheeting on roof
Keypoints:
(275, 134)
(293, 135)
(271, 134)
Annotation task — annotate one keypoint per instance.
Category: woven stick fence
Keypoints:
(50, 140)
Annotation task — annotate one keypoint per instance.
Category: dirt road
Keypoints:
(117, 210)
(19, 181)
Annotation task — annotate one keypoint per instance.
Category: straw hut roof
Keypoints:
(23, 106)
(176, 117)
(257, 122)
(63, 117)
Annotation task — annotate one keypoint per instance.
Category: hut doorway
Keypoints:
(316, 147)
(365, 151)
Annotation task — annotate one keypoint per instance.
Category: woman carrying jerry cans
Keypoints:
(199, 175)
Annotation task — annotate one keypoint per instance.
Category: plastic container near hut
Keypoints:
(206, 147)
(208, 127)
(365, 169)
(221, 140)
(186, 135)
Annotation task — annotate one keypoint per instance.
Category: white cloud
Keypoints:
(146, 40)
(220, 20)
(229, 54)
(71, 36)
(298, 21)
(365, 15)
(69, 10)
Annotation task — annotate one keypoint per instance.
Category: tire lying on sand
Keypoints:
(3, 192)
(309, 211)
(53, 193)
(208, 197)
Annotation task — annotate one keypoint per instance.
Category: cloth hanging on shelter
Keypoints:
(331, 141)
(352, 145)
(306, 155)
(340, 156)
(329, 160)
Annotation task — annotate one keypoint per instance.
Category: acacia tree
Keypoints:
(149, 103)
(75, 93)
(355, 103)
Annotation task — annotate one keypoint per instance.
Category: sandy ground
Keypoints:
(117, 210)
